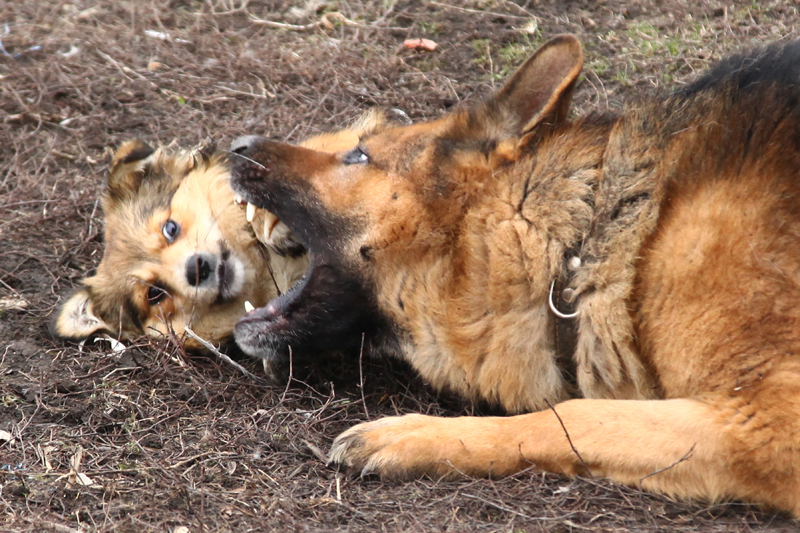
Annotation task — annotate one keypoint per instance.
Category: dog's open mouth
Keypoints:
(269, 231)
(322, 311)
(328, 308)
(315, 314)
(260, 331)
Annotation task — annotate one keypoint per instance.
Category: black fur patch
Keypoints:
(142, 151)
(329, 310)
(776, 63)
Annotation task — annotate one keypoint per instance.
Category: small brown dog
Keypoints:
(180, 252)
(639, 271)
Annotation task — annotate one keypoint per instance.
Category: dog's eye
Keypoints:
(155, 295)
(356, 156)
(170, 229)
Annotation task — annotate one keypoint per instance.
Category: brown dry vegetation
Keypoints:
(168, 440)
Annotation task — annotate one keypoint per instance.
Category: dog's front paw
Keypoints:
(390, 447)
(412, 446)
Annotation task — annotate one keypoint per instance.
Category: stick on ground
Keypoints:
(224, 357)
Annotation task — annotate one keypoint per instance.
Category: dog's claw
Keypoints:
(342, 451)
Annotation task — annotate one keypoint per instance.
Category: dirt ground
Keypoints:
(153, 439)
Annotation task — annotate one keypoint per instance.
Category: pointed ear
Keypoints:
(204, 153)
(75, 320)
(540, 91)
(127, 169)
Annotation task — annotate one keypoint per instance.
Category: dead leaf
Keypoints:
(161, 35)
(420, 45)
(12, 302)
(76, 477)
(6, 436)
(44, 453)
(116, 346)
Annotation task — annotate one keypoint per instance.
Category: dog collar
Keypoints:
(563, 303)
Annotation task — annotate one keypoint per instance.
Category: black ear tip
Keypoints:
(207, 149)
(133, 151)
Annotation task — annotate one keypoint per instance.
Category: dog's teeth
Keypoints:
(237, 199)
(270, 221)
(248, 306)
(251, 212)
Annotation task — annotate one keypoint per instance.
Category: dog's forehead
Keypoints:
(402, 145)
(408, 134)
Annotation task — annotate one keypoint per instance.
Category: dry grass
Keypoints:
(166, 440)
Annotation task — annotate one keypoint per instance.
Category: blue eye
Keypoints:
(356, 156)
(170, 229)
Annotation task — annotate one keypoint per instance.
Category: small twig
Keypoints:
(566, 433)
(232, 9)
(196, 457)
(59, 527)
(522, 9)
(478, 11)
(323, 22)
(291, 375)
(523, 515)
(265, 96)
(319, 454)
(602, 85)
(361, 375)
(502, 507)
(686, 457)
(122, 68)
(89, 231)
(29, 202)
(491, 65)
(222, 356)
(339, 486)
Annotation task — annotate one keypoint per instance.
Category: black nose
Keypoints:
(243, 143)
(198, 269)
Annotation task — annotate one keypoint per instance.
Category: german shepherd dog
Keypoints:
(639, 272)
(180, 252)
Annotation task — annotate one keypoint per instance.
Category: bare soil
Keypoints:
(153, 439)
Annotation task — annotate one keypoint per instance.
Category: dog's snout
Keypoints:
(243, 143)
(198, 269)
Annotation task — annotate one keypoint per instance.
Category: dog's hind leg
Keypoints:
(710, 449)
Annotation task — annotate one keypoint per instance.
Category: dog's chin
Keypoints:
(326, 311)
(266, 332)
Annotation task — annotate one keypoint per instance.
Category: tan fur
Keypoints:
(685, 211)
(191, 188)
